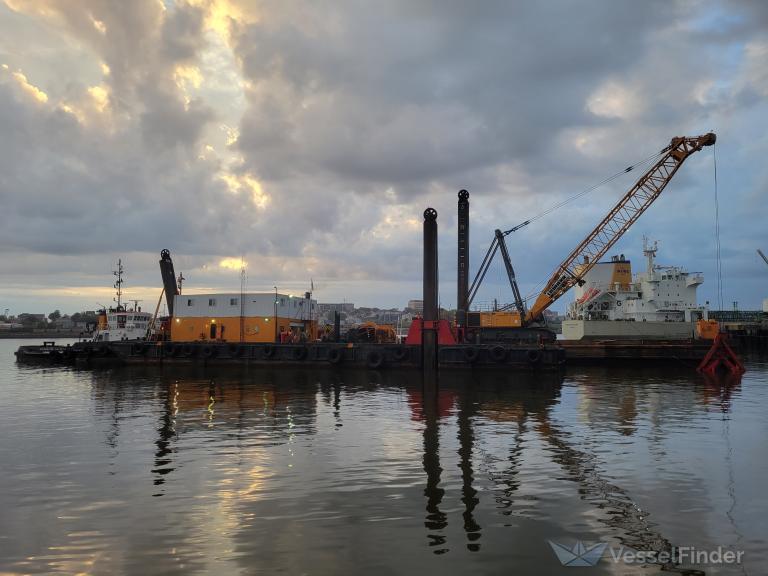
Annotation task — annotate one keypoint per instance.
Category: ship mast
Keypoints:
(119, 284)
(649, 251)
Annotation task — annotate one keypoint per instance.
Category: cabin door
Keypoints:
(213, 331)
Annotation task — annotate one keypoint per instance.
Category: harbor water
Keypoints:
(234, 471)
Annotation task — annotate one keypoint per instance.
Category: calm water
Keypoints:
(141, 471)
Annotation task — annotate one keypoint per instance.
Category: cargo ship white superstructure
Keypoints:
(659, 303)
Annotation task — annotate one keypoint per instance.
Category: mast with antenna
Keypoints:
(242, 300)
(119, 284)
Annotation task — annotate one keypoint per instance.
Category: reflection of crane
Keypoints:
(581, 260)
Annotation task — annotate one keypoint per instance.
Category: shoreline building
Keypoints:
(246, 317)
(416, 305)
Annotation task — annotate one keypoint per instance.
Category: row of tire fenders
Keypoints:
(374, 358)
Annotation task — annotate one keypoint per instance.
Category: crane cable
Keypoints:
(586, 191)
(652, 158)
(536, 291)
(717, 235)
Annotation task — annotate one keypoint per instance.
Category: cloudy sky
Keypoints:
(308, 137)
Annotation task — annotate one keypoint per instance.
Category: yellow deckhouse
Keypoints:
(254, 317)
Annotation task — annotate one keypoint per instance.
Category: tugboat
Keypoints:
(120, 323)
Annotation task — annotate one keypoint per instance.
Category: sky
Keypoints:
(306, 138)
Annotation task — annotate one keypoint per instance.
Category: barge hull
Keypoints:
(371, 356)
(629, 351)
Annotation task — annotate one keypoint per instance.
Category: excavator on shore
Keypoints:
(516, 320)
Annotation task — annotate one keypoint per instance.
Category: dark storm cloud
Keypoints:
(415, 91)
(357, 115)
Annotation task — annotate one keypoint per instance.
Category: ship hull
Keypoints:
(608, 329)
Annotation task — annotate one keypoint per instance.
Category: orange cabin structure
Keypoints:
(247, 317)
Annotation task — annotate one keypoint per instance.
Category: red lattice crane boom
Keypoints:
(618, 221)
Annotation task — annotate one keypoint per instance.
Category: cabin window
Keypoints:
(233, 301)
(190, 302)
(211, 301)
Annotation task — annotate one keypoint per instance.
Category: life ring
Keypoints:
(400, 353)
(208, 351)
(188, 350)
(168, 349)
(533, 356)
(618, 302)
(269, 351)
(498, 353)
(471, 354)
(235, 350)
(374, 359)
(299, 352)
(335, 355)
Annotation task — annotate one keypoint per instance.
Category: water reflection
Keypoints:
(300, 471)
(428, 408)
(165, 434)
(281, 404)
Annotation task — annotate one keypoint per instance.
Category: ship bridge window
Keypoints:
(233, 301)
(211, 301)
(190, 302)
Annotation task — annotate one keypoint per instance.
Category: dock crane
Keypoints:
(597, 243)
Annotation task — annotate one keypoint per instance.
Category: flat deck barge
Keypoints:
(361, 355)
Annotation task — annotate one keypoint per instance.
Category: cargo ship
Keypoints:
(657, 304)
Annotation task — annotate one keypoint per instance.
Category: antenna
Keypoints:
(119, 284)
(135, 304)
(242, 299)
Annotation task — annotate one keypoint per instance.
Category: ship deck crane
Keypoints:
(625, 213)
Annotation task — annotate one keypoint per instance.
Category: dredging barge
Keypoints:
(320, 354)
(513, 337)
